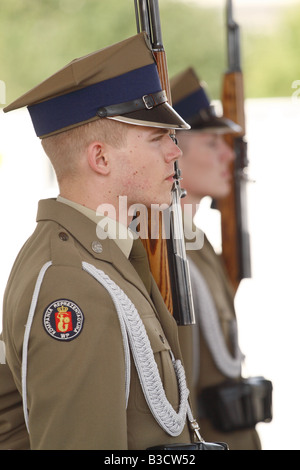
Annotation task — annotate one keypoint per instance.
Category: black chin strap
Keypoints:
(146, 102)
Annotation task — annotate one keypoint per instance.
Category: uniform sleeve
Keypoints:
(13, 432)
(75, 373)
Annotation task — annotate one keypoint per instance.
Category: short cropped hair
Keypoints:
(65, 149)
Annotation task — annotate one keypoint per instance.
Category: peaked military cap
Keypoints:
(118, 82)
(192, 103)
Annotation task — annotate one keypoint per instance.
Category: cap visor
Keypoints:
(162, 115)
(218, 125)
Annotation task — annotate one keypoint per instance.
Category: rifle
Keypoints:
(233, 208)
(167, 256)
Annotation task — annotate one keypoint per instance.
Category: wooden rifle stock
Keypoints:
(233, 208)
(233, 99)
(169, 269)
(157, 253)
(161, 62)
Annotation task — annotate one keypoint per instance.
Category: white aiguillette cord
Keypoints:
(132, 329)
(172, 422)
(209, 323)
(26, 337)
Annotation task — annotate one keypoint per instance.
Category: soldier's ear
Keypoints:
(98, 158)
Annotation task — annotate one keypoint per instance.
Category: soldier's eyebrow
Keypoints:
(159, 131)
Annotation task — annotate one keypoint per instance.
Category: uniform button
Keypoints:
(97, 247)
(63, 236)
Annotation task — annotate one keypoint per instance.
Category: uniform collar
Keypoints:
(114, 230)
(83, 229)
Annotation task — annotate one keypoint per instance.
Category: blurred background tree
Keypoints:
(272, 58)
(39, 37)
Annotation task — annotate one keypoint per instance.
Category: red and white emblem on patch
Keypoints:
(63, 320)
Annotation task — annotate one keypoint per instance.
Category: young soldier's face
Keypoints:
(146, 166)
(205, 165)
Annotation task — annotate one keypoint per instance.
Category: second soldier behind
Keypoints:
(216, 356)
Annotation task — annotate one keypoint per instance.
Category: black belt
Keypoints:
(234, 405)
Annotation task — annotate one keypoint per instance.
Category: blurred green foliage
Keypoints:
(39, 37)
(272, 60)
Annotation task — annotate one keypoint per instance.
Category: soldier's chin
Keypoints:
(222, 192)
(161, 203)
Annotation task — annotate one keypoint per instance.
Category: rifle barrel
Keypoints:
(172, 276)
(157, 42)
(233, 40)
(142, 17)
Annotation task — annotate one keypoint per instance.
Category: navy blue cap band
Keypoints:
(191, 105)
(82, 105)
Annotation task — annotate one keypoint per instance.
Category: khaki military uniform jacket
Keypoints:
(204, 370)
(76, 386)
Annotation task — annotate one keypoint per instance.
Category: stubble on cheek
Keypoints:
(136, 186)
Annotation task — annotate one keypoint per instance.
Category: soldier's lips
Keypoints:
(170, 178)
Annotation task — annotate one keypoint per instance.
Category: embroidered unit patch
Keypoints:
(63, 320)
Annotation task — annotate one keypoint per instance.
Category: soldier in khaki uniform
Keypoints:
(97, 365)
(205, 172)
